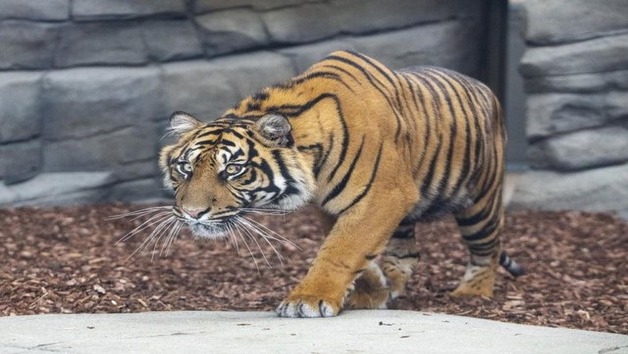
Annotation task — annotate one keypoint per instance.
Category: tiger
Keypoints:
(375, 151)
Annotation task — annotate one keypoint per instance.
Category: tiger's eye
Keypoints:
(184, 169)
(233, 169)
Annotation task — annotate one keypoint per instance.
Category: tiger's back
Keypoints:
(376, 150)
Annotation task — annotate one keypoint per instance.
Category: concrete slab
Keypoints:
(377, 331)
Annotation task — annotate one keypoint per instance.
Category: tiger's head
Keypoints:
(226, 168)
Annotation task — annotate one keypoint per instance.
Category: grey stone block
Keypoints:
(551, 113)
(226, 32)
(143, 189)
(198, 87)
(140, 169)
(302, 24)
(49, 10)
(591, 56)
(27, 45)
(371, 16)
(100, 152)
(20, 161)
(87, 101)
(580, 83)
(7, 196)
(581, 150)
(303, 56)
(249, 73)
(601, 189)
(450, 44)
(20, 111)
(117, 9)
(559, 21)
(171, 40)
(101, 43)
(202, 6)
(208, 88)
(59, 189)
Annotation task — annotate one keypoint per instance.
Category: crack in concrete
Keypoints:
(611, 349)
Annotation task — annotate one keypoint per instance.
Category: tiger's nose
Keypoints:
(194, 213)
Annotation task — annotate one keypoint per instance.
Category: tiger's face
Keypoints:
(222, 170)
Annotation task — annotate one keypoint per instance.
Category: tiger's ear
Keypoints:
(274, 129)
(181, 122)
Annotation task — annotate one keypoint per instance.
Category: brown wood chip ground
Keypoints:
(66, 260)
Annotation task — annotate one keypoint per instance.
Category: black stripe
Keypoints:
(473, 219)
(427, 181)
(260, 96)
(403, 234)
(317, 157)
(483, 233)
(488, 245)
(346, 72)
(338, 188)
(443, 182)
(253, 106)
(208, 133)
(375, 66)
(299, 109)
(324, 160)
(377, 85)
(294, 110)
(466, 149)
(466, 167)
(317, 75)
(390, 76)
(369, 184)
(426, 119)
(285, 173)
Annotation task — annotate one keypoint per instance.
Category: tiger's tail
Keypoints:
(510, 265)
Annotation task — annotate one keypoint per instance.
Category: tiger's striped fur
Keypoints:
(376, 150)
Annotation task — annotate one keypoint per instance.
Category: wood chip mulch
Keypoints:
(67, 260)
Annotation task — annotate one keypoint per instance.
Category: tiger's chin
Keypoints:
(212, 232)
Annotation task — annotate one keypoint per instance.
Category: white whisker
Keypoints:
(159, 232)
(151, 237)
(270, 233)
(250, 235)
(174, 227)
(264, 211)
(246, 244)
(138, 213)
(153, 220)
(264, 236)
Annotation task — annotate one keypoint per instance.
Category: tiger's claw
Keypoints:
(307, 307)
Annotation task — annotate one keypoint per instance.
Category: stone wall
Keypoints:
(86, 86)
(576, 76)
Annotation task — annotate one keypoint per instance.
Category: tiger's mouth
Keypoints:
(205, 230)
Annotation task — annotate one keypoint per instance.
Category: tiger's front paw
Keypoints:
(308, 306)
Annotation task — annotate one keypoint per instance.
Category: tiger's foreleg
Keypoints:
(356, 238)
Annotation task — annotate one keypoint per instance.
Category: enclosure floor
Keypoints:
(68, 260)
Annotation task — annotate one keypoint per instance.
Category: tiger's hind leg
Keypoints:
(400, 258)
(376, 286)
(480, 226)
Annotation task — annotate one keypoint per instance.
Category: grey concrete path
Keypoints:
(384, 331)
